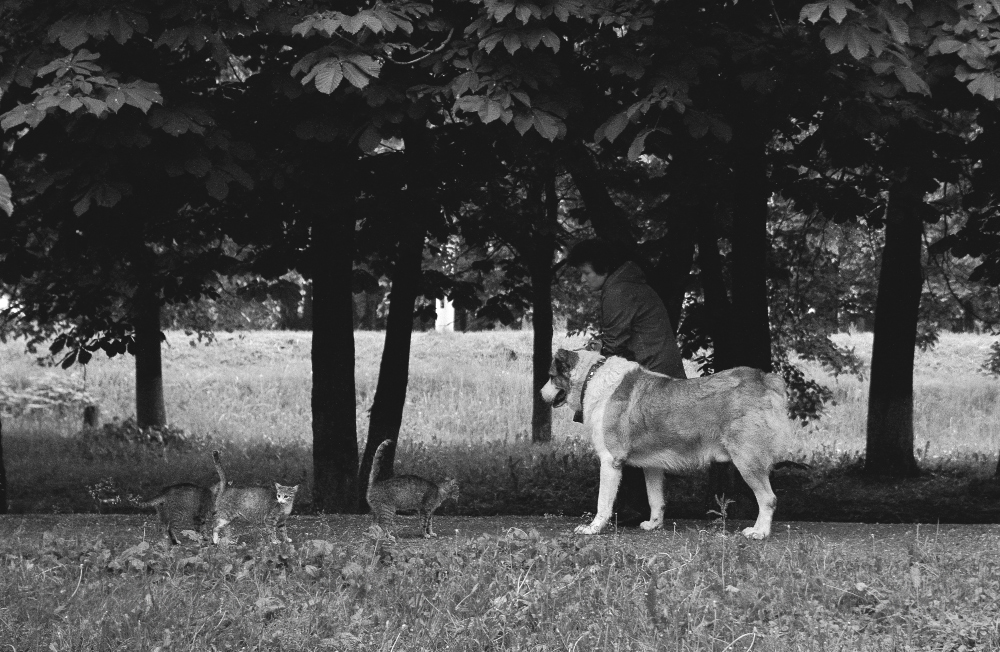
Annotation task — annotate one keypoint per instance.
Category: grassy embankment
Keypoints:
(467, 415)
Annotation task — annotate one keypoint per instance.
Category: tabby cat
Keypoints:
(260, 505)
(405, 492)
(187, 506)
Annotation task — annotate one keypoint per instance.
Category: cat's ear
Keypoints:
(277, 487)
(295, 488)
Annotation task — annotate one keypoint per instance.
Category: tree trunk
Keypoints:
(608, 219)
(307, 305)
(717, 306)
(393, 375)
(543, 246)
(394, 369)
(670, 276)
(746, 333)
(750, 328)
(691, 201)
(3, 476)
(150, 409)
(334, 416)
(889, 449)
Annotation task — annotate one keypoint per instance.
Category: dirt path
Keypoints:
(25, 531)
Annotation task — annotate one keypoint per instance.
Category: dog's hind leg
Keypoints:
(654, 491)
(756, 473)
(611, 476)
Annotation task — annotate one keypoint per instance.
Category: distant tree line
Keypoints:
(778, 169)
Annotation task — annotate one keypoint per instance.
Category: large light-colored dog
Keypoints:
(649, 420)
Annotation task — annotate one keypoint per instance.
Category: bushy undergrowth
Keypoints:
(467, 415)
(105, 440)
(518, 591)
(517, 478)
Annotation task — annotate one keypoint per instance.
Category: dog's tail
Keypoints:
(775, 383)
(377, 463)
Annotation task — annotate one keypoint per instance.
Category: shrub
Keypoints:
(112, 436)
(992, 364)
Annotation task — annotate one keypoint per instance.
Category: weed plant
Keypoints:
(700, 590)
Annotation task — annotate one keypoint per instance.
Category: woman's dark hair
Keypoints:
(602, 256)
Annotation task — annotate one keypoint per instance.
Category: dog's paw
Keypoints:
(756, 535)
(589, 529)
(651, 524)
(430, 535)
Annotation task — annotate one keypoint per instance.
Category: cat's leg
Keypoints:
(281, 531)
(428, 527)
(376, 514)
(206, 529)
(388, 517)
(219, 524)
(272, 527)
(165, 524)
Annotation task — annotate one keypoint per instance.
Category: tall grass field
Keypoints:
(514, 582)
(467, 415)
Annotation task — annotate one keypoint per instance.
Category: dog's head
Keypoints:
(560, 377)
(566, 375)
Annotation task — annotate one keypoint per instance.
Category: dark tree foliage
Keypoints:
(134, 126)
(117, 186)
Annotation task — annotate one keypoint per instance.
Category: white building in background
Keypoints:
(444, 321)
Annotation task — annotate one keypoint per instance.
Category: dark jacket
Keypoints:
(634, 323)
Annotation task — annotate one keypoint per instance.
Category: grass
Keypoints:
(78, 582)
(467, 415)
(680, 590)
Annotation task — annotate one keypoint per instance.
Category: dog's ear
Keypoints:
(564, 361)
(556, 367)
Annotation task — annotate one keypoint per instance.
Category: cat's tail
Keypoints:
(219, 488)
(159, 500)
(377, 463)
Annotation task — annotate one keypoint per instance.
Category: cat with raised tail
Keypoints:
(388, 496)
(187, 506)
(259, 505)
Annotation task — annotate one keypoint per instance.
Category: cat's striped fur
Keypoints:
(388, 496)
(260, 505)
(187, 506)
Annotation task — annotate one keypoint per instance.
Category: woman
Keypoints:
(634, 325)
(633, 320)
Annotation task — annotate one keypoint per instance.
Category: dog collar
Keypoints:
(590, 374)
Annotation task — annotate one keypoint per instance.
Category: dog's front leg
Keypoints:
(611, 476)
(654, 492)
